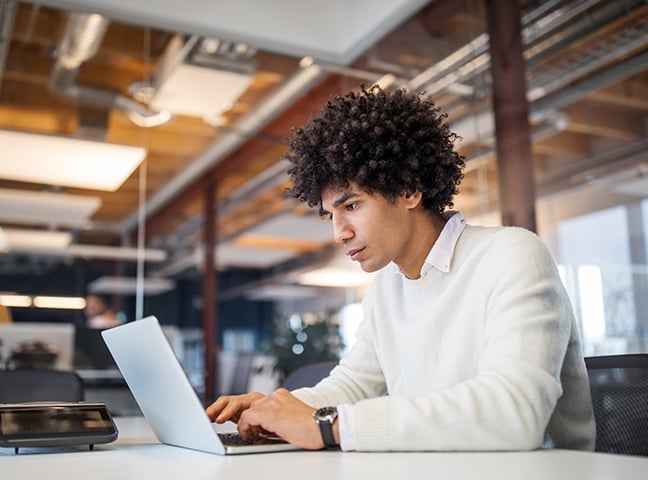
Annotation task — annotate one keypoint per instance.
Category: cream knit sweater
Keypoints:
(484, 357)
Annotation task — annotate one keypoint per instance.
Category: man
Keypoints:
(468, 340)
(98, 313)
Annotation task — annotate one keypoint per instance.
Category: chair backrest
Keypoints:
(242, 371)
(619, 385)
(308, 375)
(40, 385)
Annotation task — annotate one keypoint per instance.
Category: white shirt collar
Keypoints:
(440, 255)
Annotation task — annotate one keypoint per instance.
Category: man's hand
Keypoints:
(230, 407)
(285, 415)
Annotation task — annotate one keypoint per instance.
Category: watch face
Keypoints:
(326, 413)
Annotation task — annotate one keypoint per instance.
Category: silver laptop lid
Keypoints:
(160, 387)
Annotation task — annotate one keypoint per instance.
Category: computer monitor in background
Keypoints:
(90, 351)
(59, 335)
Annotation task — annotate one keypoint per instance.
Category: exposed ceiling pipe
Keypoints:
(546, 98)
(556, 123)
(625, 69)
(606, 165)
(547, 108)
(473, 58)
(81, 40)
(481, 123)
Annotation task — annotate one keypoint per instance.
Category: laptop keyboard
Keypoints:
(233, 439)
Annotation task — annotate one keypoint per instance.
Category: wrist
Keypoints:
(326, 419)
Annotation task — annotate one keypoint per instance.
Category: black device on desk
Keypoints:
(53, 424)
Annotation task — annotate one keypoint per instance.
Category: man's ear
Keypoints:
(413, 199)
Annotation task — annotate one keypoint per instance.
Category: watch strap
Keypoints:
(326, 427)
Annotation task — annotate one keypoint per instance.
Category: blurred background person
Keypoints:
(99, 314)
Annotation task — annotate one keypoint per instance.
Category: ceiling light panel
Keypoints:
(22, 239)
(64, 161)
(202, 78)
(14, 300)
(129, 285)
(200, 92)
(45, 208)
(335, 31)
(229, 255)
(63, 303)
(305, 228)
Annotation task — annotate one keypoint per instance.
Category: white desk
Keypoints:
(138, 456)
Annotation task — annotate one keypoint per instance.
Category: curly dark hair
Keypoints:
(392, 143)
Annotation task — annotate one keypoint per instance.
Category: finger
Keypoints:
(248, 426)
(215, 408)
(244, 429)
(231, 412)
(225, 408)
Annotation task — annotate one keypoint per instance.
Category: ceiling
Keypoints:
(587, 74)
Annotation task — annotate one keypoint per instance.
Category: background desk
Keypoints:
(138, 456)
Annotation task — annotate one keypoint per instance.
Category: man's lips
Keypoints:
(354, 253)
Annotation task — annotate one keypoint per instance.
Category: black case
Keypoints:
(54, 424)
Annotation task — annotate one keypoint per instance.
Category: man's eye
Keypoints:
(351, 206)
(326, 216)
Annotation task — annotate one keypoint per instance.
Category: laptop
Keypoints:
(167, 398)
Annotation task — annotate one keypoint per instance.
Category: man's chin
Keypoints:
(370, 268)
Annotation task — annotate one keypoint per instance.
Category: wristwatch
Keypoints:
(325, 417)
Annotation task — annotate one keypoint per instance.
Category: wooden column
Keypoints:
(514, 158)
(209, 284)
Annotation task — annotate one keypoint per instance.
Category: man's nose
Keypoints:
(341, 231)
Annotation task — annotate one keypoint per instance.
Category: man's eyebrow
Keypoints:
(337, 203)
(344, 198)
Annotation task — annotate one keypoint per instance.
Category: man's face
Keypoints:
(373, 230)
(94, 306)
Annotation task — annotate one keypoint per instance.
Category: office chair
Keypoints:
(619, 386)
(242, 371)
(308, 375)
(40, 385)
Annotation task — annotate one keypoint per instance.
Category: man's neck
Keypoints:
(423, 236)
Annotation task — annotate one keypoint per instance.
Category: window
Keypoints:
(598, 262)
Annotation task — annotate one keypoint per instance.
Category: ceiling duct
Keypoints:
(200, 77)
(81, 39)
